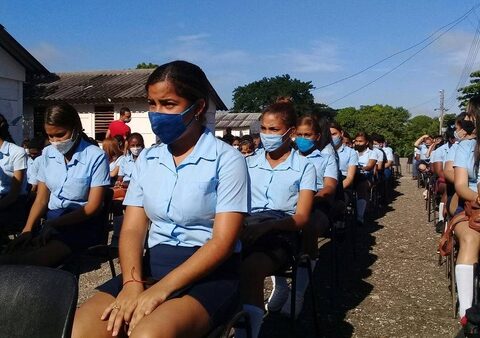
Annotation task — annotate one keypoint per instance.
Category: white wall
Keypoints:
(12, 76)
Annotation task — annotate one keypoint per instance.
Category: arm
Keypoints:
(328, 190)
(419, 141)
(448, 172)
(107, 134)
(114, 172)
(370, 165)
(17, 179)
(93, 206)
(348, 181)
(39, 207)
(431, 149)
(461, 185)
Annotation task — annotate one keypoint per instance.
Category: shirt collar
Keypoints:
(292, 162)
(5, 148)
(78, 154)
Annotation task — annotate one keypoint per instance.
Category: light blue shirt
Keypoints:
(379, 154)
(278, 188)
(451, 153)
(126, 167)
(367, 155)
(464, 158)
(325, 166)
(347, 157)
(423, 150)
(12, 158)
(181, 201)
(70, 183)
(389, 153)
(116, 163)
(328, 149)
(440, 154)
(32, 171)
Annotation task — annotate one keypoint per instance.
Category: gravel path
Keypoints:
(393, 288)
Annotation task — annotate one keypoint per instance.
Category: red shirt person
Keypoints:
(119, 127)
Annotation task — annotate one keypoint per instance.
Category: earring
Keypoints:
(197, 117)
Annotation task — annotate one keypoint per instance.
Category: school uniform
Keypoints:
(181, 203)
(32, 171)
(325, 166)
(347, 157)
(464, 158)
(114, 164)
(126, 167)
(12, 158)
(69, 185)
(363, 159)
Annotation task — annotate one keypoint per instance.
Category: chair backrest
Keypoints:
(104, 215)
(36, 301)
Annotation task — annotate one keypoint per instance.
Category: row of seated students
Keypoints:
(215, 223)
(454, 162)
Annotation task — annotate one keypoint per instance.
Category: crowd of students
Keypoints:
(205, 221)
(452, 160)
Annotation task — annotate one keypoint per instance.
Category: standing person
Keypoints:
(194, 190)
(72, 178)
(13, 183)
(283, 184)
(466, 163)
(228, 137)
(367, 161)
(120, 127)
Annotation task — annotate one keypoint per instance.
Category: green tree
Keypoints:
(144, 65)
(257, 95)
(472, 90)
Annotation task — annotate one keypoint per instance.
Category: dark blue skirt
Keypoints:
(218, 292)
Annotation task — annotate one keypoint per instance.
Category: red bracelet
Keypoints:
(133, 278)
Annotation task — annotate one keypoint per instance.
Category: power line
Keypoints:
(421, 104)
(461, 18)
(400, 64)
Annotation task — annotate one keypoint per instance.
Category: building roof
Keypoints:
(19, 53)
(95, 86)
(236, 120)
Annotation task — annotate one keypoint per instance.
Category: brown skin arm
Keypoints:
(348, 181)
(461, 185)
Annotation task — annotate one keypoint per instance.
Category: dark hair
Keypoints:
(38, 142)
(138, 136)
(248, 138)
(4, 132)
(120, 140)
(347, 135)
(284, 108)
(310, 121)
(450, 132)
(64, 115)
(473, 112)
(189, 80)
(124, 110)
(336, 125)
(377, 138)
(364, 135)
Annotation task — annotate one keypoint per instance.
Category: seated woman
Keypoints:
(347, 157)
(193, 188)
(308, 134)
(367, 160)
(13, 183)
(135, 145)
(72, 178)
(282, 187)
(35, 148)
(465, 165)
(115, 157)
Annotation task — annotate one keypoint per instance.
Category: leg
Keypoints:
(179, 317)
(51, 254)
(87, 321)
(467, 255)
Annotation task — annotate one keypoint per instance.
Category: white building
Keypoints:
(18, 68)
(240, 123)
(98, 97)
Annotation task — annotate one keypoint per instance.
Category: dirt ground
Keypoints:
(392, 287)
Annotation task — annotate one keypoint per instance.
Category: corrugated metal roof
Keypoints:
(235, 120)
(98, 86)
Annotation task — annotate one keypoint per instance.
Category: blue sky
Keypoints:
(237, 42)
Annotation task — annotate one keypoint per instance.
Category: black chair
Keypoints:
(36, 301)
(240, 320)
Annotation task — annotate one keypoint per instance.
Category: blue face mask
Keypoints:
(337, 140)
(169, 127)
(272, 142)
(304, 144)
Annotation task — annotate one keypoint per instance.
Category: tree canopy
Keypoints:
(257, 95)
(144, 65)
(472, 90)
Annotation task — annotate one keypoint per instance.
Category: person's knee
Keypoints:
(146, 331)
(470, 243)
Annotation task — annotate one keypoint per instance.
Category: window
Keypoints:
(103, 117)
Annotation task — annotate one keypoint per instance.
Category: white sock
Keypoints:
(464, 278)
(440, 211)
(361, 206)
(256, 320)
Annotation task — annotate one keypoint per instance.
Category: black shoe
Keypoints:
(359, 223)
(439, 227)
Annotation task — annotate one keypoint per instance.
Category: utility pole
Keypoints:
(442, 109)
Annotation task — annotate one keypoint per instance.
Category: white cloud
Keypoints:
(454, 48)
(192, 37)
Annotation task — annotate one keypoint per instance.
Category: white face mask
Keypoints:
(64, 146)
(136, 150)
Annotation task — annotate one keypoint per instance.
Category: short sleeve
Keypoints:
(41, 169)
(233, 190)
(309, 178)
(462, 157)
(353, 159)
(331, 170)
(100, 172)
(20, 161)
(134, 196)
(372, 156)
(35, 168)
